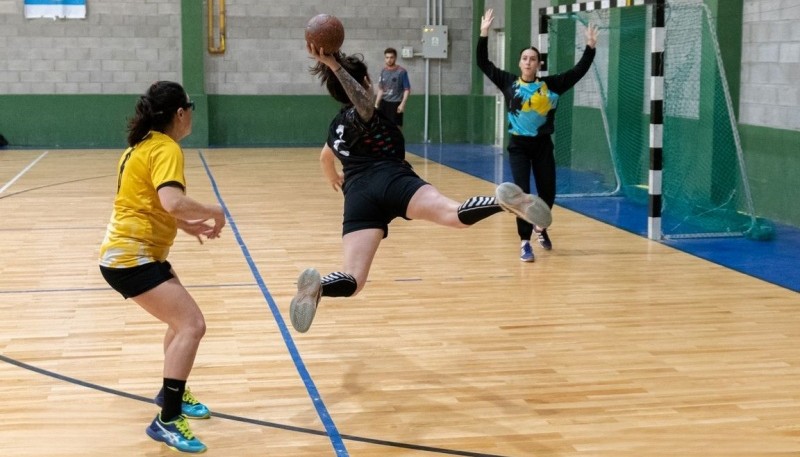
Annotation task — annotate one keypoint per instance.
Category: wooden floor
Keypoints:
(610, 345)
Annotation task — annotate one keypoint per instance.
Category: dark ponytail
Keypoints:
(155, 109)
(352, 64)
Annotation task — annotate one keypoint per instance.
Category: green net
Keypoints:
(603, 125)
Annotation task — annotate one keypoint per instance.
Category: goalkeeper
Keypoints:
(531, 103)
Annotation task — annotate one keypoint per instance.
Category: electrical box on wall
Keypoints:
(434, 41)
(407, 52)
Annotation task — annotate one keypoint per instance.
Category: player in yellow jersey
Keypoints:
(149, 208)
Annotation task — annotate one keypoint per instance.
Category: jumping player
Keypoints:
(379, 185)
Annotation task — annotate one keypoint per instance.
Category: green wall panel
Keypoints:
(252, 120)
(772, 158)
(237, 120)
(461, 119)
(728, 15)
(478, 7)
(99, 121)
(65, 121)
(517, 30)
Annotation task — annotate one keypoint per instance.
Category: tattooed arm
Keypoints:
(362, 98)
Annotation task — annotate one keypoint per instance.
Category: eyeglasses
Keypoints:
(189, 105)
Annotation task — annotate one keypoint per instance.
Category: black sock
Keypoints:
(173, 398)
(477, 209)
(338, 284)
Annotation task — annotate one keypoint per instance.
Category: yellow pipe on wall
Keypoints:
(213, 48)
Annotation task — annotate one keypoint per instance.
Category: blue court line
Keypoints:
(273, 307)
(316, 399)
(774, 261)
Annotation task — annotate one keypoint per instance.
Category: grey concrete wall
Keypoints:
(120, 47)
(123, 45)
(266, 46)
(770, 95)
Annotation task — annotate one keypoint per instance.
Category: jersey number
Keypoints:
(122, 167)
(336, 143)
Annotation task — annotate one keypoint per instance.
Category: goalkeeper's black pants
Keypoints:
(533, 154)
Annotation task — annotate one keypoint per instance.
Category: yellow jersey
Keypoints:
(140, 230)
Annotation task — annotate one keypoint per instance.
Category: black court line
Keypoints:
(45, 186)
(220, 415)
(246, 420)
(200, 286)
(59, 183)
(50, 229)
(98, 289)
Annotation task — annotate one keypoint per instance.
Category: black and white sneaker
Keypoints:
(544, 240)
(526, 206)
(304, 304)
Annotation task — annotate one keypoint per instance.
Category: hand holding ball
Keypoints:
(326, 32)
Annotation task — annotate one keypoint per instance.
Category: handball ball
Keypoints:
(326, 32)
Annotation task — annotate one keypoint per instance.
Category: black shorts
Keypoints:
(389, 110)
(137, 280)
(376, 197)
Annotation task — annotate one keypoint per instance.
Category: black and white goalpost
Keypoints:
(657, 43)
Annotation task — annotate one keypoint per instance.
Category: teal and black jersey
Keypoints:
(531, 104)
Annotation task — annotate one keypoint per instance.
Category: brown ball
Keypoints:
(326, 32)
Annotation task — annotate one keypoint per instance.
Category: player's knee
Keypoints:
(194, 328)
(338, 284)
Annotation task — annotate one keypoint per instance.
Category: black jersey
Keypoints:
(361, 145)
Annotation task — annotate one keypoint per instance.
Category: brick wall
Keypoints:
(120, 47)
(770, 91)
(266, 47)
(123, 45)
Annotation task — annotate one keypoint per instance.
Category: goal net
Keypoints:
(602, 135)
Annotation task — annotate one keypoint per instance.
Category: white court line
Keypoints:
(25, 170)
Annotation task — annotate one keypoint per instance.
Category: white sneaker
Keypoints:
(304, 304)
(526, 206)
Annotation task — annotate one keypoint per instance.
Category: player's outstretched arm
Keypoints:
(591, 36)
(486, 21)
(362, 98)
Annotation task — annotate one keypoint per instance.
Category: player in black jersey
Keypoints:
(379, 185)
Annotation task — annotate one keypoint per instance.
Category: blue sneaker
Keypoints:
(190, 407)
(526, 252)
(175, 434)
